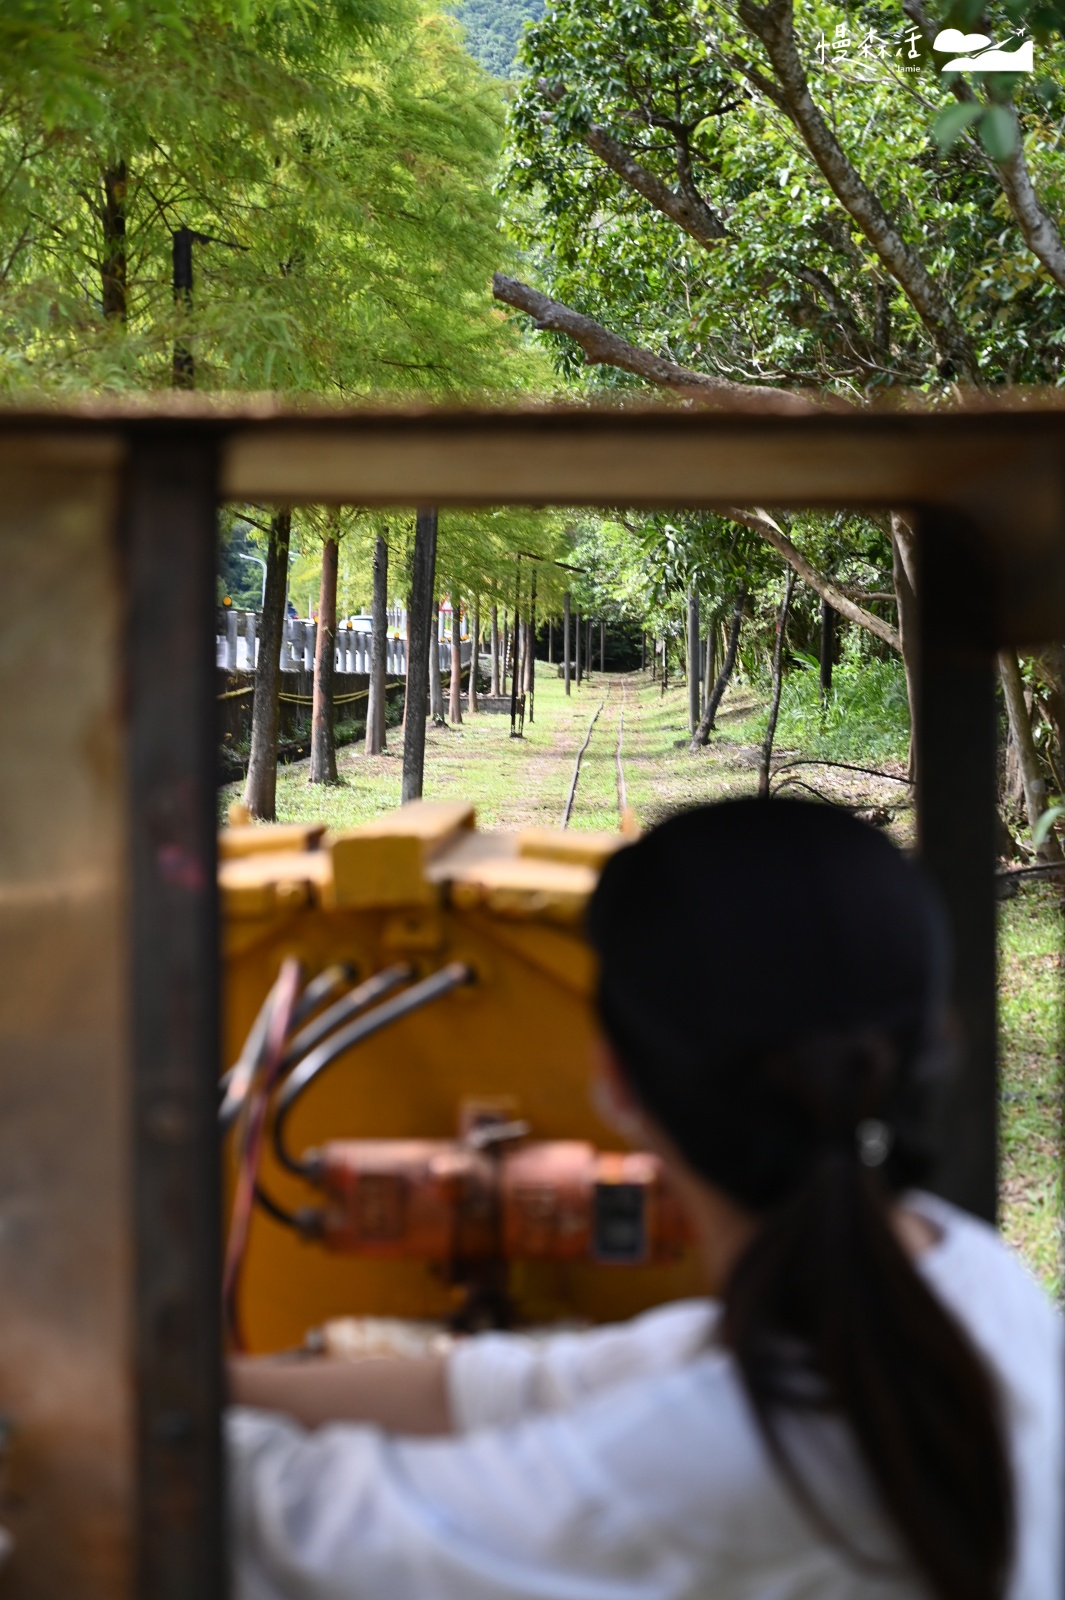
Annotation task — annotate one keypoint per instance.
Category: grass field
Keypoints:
(516, 782)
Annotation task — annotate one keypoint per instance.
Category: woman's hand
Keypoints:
(401, 1394)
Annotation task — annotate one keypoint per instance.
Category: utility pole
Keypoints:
(515, 635)
(183, 239)
(565, 639)
(694, 674)
(530, 660)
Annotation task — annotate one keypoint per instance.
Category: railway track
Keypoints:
(597, 729)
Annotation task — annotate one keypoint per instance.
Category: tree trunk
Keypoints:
(494, 689)
(565, 639)
(904, 573)
(530, 646)
(1051, 664)
(375, 711)
(577, 651)
(602, 644)
(702, 733)
(550, 641)
(419, 622)
(1027, 754)
(643, 650)
(778, 683)
(828, 644)
(454, 709)
(113, 260)
(693, 662)
(261, 784)
(710, 664)
(323, 743)
(436, 688)
(475, 656)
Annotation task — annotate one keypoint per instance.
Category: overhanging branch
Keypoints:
(603, 348)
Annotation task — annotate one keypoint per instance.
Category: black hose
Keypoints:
(278, 1213)
(322, 988)
(453, 976)
(349, 1005)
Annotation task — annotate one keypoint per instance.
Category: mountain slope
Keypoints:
(493, 30)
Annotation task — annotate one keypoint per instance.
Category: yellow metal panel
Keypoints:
(520, 1033)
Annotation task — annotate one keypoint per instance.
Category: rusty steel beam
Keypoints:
(170, 532)
(957, 752)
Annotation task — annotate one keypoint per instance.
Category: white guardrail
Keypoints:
(237, 649)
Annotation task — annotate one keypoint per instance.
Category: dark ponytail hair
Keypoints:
(799, 1075)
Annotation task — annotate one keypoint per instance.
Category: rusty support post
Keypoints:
(170, 542)
(956, 741)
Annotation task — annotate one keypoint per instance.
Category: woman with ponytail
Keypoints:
(869, 1403)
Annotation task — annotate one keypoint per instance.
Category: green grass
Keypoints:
(517, 782)
(1031, 1037)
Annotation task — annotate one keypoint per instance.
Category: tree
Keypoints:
(336, 162)
(323, 741)
(261, 785)
(721, 208)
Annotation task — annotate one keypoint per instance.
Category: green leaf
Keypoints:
(998, 132)
(950, 123)
(1045, 823)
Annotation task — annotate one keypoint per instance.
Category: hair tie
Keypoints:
(874, 1140)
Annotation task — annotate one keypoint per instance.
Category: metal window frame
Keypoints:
(987, 489)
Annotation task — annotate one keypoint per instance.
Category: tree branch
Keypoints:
(687, 209)
(773, 25)
(774, 534)
(1038, 228)
(603, 348)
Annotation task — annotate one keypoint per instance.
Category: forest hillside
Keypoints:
(493, 29)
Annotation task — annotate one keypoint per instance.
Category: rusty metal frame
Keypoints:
(988, 489)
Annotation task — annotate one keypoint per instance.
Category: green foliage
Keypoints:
(338, 157)
(794, 293)
(866, 718)
(493, 30)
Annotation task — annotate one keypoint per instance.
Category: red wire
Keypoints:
(249, 1137)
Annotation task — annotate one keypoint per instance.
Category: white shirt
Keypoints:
(624, 1464)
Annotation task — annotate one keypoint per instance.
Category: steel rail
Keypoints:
(577, 765)
(623, 802)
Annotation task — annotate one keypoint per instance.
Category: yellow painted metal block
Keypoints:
(256, 838)
(590, 848)
(259, 885)
(383, 863)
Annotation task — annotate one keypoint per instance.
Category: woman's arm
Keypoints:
(402, 1394)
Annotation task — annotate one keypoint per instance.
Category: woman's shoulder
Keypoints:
(993, 1293)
